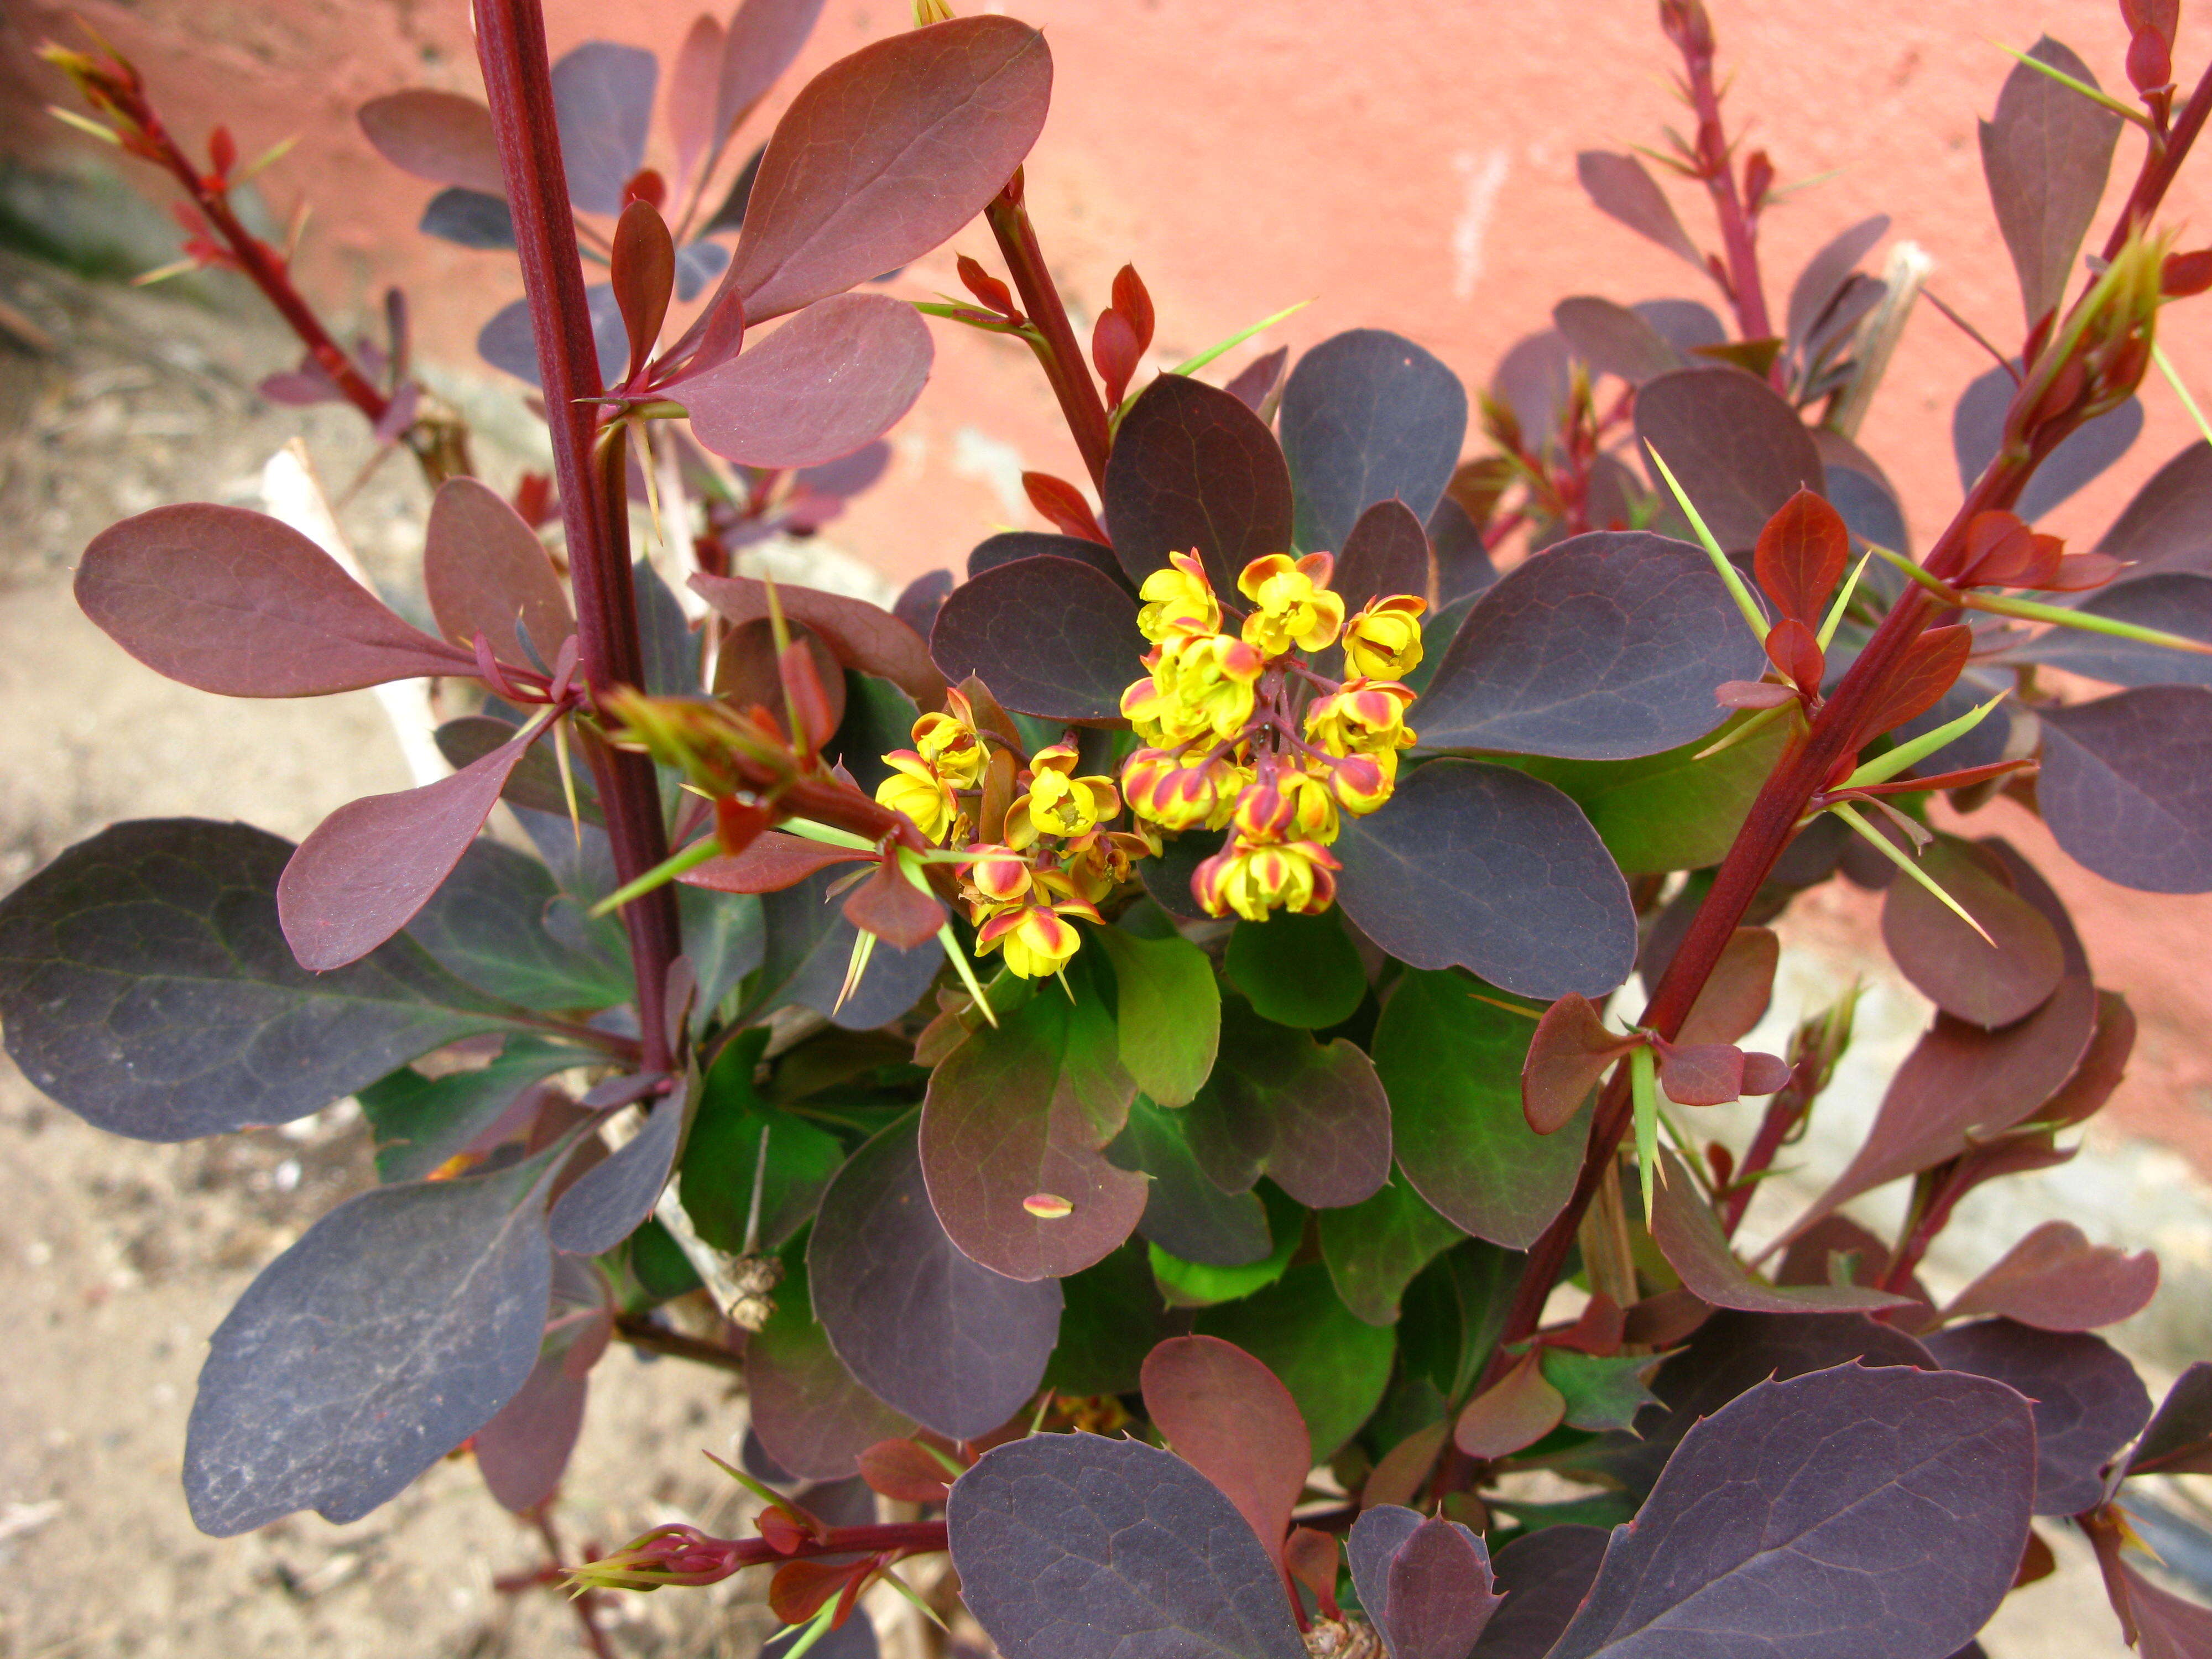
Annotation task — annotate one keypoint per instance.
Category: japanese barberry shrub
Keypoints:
(1317, 791)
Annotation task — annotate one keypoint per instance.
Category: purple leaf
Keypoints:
(2088, 1400)
(927, 1331)
(1313, 1117)
(1950, 965)
(2056, 1280)
(2126, 786)
(698, 263)
(1978, 428)
(1335, 1366)
(691, 112)
(1452, 1066)
(1825, 273)
(488, 924)
(1619, 187)
(2046, 155)
(1614, 340)
(1229, 1417)
(1686, 325)
(1076, 1547)
(921, 599)
(1192, 469)
(809, 948)
(235, 602)
(2169, 1627)
(1367, 416)
(2180, 1438)
(1023, 1109)
(439, 136)
(2177, 603)
(1544, 1575)
(145, 984)
(1010, 546)
(301, 387)
(1738, 450)
(1511, 1414)
(523, 1452)
(535, 784)
(1570, 1048)
(833, 378)
(611, 1199)
(1257, 382)
(1463, 566)
(422, 1121)
(1375, 1247)
(860, 634)
(1051, 637)
(1877, 1512)
(809, 1412)
(642, 271)
(468, 218)
(1386, 552)
(1689, 1236)
(509, 340)
(395, 1328)
(1738, 991)
(485, 570)
(1488, 869)
(885, 154)
(1426, 1584)
(1604, 646)
(603, 103)
(1531, 379)
(764, 38)
(2168, 525)
(371, 865)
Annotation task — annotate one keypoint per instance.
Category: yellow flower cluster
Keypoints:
(1055, 857)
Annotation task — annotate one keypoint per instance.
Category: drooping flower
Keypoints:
(1057, 802)
(1366, 717)
(1180, 602)
(1361, 783)
(1290, 806)
(1383, 640)
(915, 789)
(1102, 861)
(952, 744)
(1036, 939)
(1252, 879)
(1292, 602)
(1176, 791)
(1000, 874)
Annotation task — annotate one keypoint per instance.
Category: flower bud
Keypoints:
(1254, 880)
(1383, 640)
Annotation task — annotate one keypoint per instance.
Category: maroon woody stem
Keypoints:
(2160, 165)
(1739, 235)
(594, 506)
(1065, 365)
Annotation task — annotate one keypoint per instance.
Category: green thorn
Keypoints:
(2094, 95)
(1194, 364)
(2060, 615)
(1884, 766)
(828, 835)
(864, 949)
(1835, 617)
(1643, 1090)
(1754, 617)
(1759, 721)
(773, 1499)
(816, 1628)
(959, 959)
(1883, 845)
(2174, 379)
(913, 1596)
(660, 875)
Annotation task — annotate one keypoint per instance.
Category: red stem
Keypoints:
(586, 1605)
(1065, 365)
(591, 475)
(1739, 229)
(2160, 164)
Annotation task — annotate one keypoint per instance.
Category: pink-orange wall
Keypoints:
(1404, 163)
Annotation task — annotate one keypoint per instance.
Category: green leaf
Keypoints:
(1112, 1318)
(420, 1122)
(1375, 1248)
(1455, 1311)
(722, 1154)
(1451, 1065)
(659, 1265)
(1298, 969)
(1312, 1115)
(1185, 1213)
(1335, 1364)
(1670, 810)
(487, 923)
(1194, 1285)
(1601, 1392)
(1170, 1012)
(725, 937)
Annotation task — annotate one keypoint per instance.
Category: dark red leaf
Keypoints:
(523, 1452)
(720, 330)
(1387, 552)
(1312, 1559)
(748, 673)
(2102, 1067)
(2055, 1280)
(235, 602)
(862, 636)
(2180, 1438)
(1114, 350)
(1689, 1236)
(1230, 1418)
(802, 1588)
(1314, 1117)
(642, 271)
(1752, 694)
(1819, 1254)
(836, 377)
(921, 599)
(764, 37)
(771, 863)
(1134, 301)
(1571, 1050)
(439, 136)
(370, 865)
(2046, 153)
(1800, 555)
(905, 1472)
(994, 294)
(1621, 189)
(2167, 1627)
(2126, 786)
(484, 570)
(806, 701)
(689, 107)
(893, 910)
(1256, 383)
(1434, 1596)
(1544, 1575)
(2184, 275)
(1051, 637)
(1059, 501)
(1791, 647)
(2088, 1401)
(1955, 967)
(1738, 990)
(1513, 1414)
(1193, 469)
(808, 1410)
(1706, 1074)
(1735, 446)
(887, 152)
(1929, 667)
(1764, 1074)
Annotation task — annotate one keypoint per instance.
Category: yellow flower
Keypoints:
(1292, 605)
(1361, 783)
(1177, 792)
(1180, 601)
(1036, 939)
(1383, 640)
(1000, 874)
(1365, 717)
(1291, 807)
(915, 789)
(1211, 679)
(1101, 861)
(951, 744)
(1251, 880)
(1059, 804)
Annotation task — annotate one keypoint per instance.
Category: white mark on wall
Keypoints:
(1482, 175)
(994, 462)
